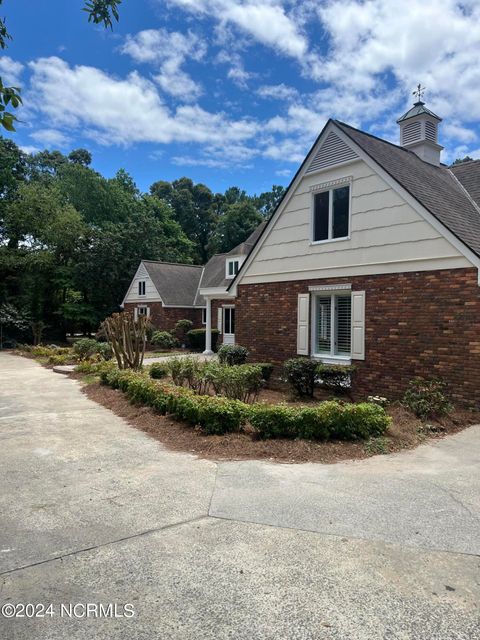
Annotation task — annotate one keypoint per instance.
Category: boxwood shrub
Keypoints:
(301, 373)
(327, 420)
(158, 370)
(232, 354)
(196, 339)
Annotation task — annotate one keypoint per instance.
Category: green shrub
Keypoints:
(181, 330)
(62, 359)
(40, 351)
(426, 398)
(221, 415)
(164, 340)
(158, 370)
(301, 373)
(274, 421)
(239, 382)
(232, 354)
(94, 368)
(327, 420)
(196, 339)
(86, 348)
(267, 370)
(336, 377)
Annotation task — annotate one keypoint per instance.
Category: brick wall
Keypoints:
(165, 318)
(422, 323)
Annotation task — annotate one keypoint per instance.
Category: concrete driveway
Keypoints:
(93, 511)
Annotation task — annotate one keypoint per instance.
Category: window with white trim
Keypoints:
(204, 316)
(232, 267)
(332, 324)
(141, 287)
(331, 214)
(142, 311)
(229, 320)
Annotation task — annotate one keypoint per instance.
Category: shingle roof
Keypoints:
(214, 272)
(416, 110)
(468, 173)
(177, 284)
(434, 187)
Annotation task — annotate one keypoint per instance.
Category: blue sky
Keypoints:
(233, 92)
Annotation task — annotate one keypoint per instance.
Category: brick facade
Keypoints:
(165, 318)
(421, 323)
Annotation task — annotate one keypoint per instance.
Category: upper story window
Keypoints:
(232, 267)
(141, 287)
(331, 214)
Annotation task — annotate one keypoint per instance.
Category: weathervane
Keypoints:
(418, 93)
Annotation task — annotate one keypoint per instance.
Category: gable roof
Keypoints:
(214, 272)
(435, 188)
(468, 173)
(176, 284)
(417, 177)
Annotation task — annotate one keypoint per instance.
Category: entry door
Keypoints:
(228, 325)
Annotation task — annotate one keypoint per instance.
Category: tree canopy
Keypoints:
(71, 239)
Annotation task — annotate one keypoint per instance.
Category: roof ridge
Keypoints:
(462, 164)
(177, 264)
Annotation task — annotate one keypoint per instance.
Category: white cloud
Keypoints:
(124, 111)
(266, 21)
(51, 137)
(277, 92)
(283, 173)
(29, 148)
(168, 51)
(10, 71)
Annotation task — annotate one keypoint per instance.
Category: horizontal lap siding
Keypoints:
(386, 235)
(417, 323)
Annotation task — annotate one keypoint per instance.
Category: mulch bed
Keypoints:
(405, 432)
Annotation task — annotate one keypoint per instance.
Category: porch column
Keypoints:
(208, 329)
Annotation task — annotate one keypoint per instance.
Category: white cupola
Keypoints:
(419, 131)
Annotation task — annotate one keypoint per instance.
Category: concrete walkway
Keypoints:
(94, 511)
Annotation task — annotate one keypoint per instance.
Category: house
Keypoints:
(168, 292)
(372, 258)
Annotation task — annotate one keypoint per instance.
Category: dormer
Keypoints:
(419, 132)
(232, 266)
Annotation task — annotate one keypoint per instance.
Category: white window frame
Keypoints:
(142, 285)
(230, 261)
(204, 315)
(224, 309)
(330, 187)
(330, 357)
(145, 308)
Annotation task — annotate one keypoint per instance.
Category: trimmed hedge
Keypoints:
(158, 370)
(218, 415)
(196, 339)
(215, 415)
(327, 420)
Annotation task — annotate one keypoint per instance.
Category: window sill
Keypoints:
(329, 240)
(345, 360)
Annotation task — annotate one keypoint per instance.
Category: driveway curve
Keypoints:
(94, 511)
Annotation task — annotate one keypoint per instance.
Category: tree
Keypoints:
(193, 208)
(238, 222)
(99, 11)
(266, 202)
(461, 160)
(80, 156)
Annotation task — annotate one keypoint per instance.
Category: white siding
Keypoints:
(151, 294)
(386, 235)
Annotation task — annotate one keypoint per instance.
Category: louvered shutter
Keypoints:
(135, 314)
(219, 319)
(358, 325)
(303, 312)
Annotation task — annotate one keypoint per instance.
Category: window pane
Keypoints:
(226, 321)
(323, 329)
(320, 216)
(343, 321)
(235, 267)
(341, 198)
(232, 320)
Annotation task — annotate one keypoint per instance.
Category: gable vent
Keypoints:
(430, 131)
(411, 132)
(333, 151)
(142, 272)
